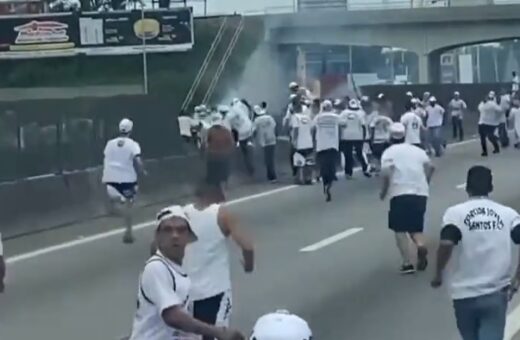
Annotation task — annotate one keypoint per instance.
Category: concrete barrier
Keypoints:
(49, 202)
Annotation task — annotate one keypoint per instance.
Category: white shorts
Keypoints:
(215, 310)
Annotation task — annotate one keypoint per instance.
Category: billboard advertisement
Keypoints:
(99, 33)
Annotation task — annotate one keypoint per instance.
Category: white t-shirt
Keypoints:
(381, 127)
(515, 115)
(408, 177)
(238, 119)
(207, 260)
(118, 165)
(352, 124)
(413, 124)
(162, 285)
(184, 126)
(457, 107)
(482, 262)
(265, 130)
(327, 131)
(435, 116)
(303, 139)
(490, 113)
(370, 117)
(505, 105)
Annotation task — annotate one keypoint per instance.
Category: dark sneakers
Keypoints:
(407, 269)
(422, 258)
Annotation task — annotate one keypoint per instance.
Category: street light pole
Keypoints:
(144, 54)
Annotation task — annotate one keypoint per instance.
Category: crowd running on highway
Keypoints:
(185, 289)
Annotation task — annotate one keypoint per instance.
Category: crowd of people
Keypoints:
(185, 286)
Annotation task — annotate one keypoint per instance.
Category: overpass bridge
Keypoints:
(425, 31)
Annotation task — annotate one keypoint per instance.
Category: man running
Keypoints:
(302, 140)
(434, 123)
(120, 167)
(163, 304)
(515, 121)
(413, 125)
(219, 147)
(281, 325)
(488, 122)
(239, 120)
(505, 106)
(407, 171)
(207, 260)
(2, 266)
(379, 138)
(326, 131)
(456, 107)
(353, 135)
(476, 240)
(264, 128)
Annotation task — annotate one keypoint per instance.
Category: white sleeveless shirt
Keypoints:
(207, 260)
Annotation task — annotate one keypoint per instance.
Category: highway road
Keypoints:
(345, 283)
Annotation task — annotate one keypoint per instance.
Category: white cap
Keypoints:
(381, 96)
(365, 99)
(126, 125)
(456, 93)
(292, 96)
(353, 104)
(491, 94)
(415, 100)
(258, 110)
(326, 105)
(432, 99)
(281, 325)
(337, 102)
(293, 85)
(397, 130)
(174, 211)
(409, 94)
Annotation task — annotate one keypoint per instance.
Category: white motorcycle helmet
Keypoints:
(281, 325)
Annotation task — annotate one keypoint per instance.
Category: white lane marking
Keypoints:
(100, 236)
(92, 238)
(461, 186)
(512, 323)
(331, 240)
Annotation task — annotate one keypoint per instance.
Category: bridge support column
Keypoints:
(424, 69)
(429, 68)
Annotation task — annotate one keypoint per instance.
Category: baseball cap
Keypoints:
(126, 125)
(326, 105)
(409, 94)
(456, 93)
(432, 99)
(397, 130)
(281, 325)
(353, 104)
(174, 211)
(293, 85)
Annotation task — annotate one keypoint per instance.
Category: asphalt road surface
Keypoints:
(347, 287)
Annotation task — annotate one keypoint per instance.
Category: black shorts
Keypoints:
(406, 213)
(215, 310)
(305, 152)
(378, 149)
(127, 190)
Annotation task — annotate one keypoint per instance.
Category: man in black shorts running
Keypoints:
(406, 173)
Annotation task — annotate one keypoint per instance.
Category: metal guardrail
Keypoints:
(223, 62)
(205, 64)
